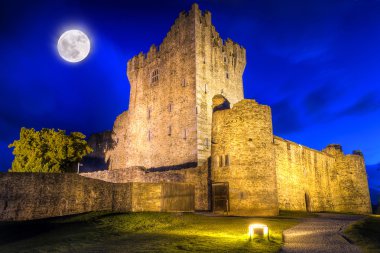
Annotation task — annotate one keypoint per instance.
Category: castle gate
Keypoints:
(220, 197)
(177, 197)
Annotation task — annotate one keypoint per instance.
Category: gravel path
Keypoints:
(320, 234)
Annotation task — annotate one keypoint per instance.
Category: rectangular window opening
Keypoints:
(154, 77)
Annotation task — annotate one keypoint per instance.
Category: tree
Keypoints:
(48, 150)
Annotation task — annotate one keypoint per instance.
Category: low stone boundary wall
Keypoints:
(197, 176)
(27, 196)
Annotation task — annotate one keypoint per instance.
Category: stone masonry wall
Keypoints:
(196, 176)
(311, 180)
(350, 184)
(25, 196)
(303, 174)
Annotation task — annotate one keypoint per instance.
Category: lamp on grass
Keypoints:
(259, 230)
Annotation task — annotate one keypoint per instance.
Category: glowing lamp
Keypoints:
(258, 229)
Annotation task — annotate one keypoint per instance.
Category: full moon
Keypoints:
(73, 46)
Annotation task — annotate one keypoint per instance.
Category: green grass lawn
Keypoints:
(142, 232)
(366, 233)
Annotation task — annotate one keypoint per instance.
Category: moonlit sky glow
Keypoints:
(316, 63)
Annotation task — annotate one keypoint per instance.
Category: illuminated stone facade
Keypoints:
(180, 127)
(168, 122)
(266, 173)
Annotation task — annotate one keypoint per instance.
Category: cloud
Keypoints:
(320, 99)
(367, 103)
(285, 118)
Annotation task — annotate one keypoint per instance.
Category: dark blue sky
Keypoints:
(316, 63)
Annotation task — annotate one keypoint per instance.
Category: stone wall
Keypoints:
(350, 184)
(197, 176)
(317, 181)
(26, 196)
(303, 175)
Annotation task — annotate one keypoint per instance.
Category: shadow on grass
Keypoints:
(12, 231)
(366, 233)
(140, 232)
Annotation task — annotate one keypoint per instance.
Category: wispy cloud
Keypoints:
(367, 103)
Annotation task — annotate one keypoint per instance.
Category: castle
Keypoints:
(188, 122)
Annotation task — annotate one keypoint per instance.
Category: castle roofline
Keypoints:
(154, 50)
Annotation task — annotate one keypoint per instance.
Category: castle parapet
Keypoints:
(334, 149)
(184, 24)
(357, 152)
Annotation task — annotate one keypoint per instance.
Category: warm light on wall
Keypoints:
(264, 231)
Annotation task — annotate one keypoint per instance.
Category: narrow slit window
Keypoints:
(170, 130)
(149, 135)
(170, 107)
(221, 161)
(206, 143)
(149, 112)
(184, 134)
(227, 160)
(205, 88)
(227, 75)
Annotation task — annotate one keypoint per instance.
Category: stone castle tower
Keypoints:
(168, 122)
(188, 122)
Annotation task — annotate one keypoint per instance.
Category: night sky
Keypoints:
(316, 63)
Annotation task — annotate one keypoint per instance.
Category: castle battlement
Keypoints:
(184, 24)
